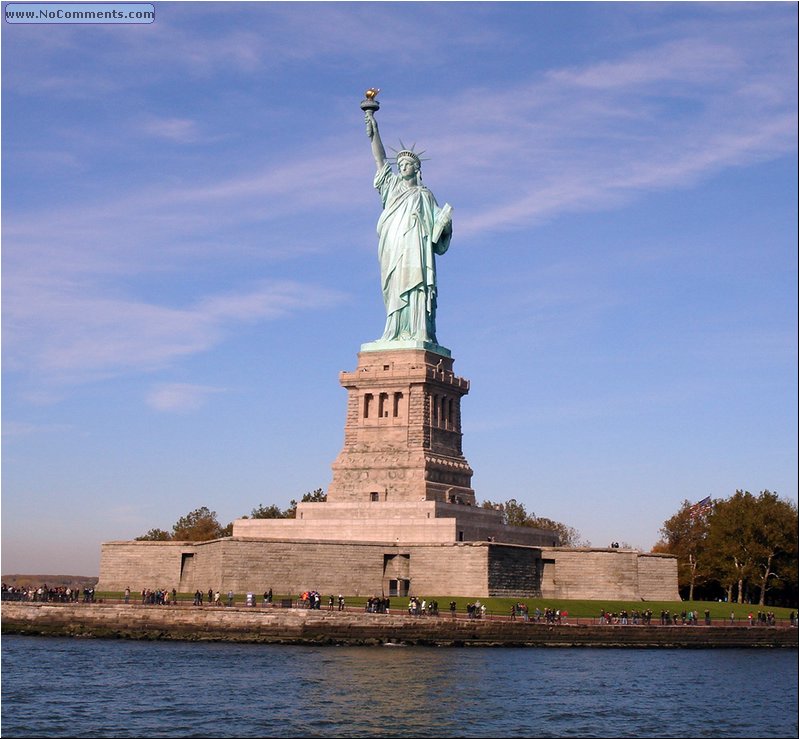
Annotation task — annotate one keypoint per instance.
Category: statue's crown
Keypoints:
(409, 152)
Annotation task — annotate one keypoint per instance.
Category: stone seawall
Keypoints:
(299, 626)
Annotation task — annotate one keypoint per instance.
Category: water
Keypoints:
(58, 687)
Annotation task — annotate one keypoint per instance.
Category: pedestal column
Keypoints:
(402, 437)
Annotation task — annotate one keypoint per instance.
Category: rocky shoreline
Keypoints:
(311, 627)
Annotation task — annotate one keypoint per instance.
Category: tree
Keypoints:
(274, 511)
(742, 542)
(270, 511)
(685, 535)
(568, 535)
(774, 550)
(316, 496)
(199, 525)
(155, 535)
(202, 525)
(515, 514)
(732, 531)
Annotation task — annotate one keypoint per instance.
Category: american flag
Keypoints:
(703, 506)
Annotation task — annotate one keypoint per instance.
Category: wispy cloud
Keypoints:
(597, 136)
(63, 334)
(154, 229)
(273, 37)
(13, 429)
(688, 60)
(179, 397)
(179, 130)
(579, 137)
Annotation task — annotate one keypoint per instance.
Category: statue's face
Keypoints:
(408, 168)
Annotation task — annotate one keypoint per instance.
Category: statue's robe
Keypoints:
(407, 257)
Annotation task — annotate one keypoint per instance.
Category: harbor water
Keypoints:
(66, 687)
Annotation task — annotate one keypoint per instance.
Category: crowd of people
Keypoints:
(166, 597)
(629, 617)
(422, 607)
(377, 604)
(157, 597)
(474, 610)
(45, 594)
(767, 618)
(312, 599)
(521, 610)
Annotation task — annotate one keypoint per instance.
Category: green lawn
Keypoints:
(591, 608)
(582, 609)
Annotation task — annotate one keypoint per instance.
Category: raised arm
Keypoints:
(378, 151)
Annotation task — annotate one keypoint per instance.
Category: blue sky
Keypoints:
(189, 256)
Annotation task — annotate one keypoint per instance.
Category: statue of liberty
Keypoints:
(411, 230)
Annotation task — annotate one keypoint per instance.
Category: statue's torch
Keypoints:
(369, 105)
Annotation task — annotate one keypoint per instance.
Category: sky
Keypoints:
(189, 256)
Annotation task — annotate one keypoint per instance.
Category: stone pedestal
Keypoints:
(400, 516)
(402, 437)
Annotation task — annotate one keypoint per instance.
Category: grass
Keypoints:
(582, 609)
(591, 608)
